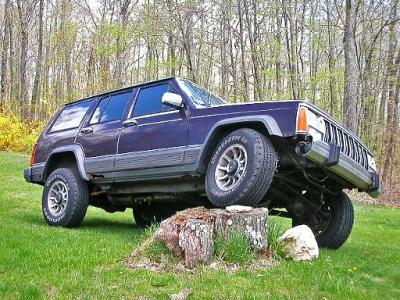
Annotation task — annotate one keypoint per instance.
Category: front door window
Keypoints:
(149, 100)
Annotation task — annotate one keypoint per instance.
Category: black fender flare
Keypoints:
(77, 151)
(267, 121)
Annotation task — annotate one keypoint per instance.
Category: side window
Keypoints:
(111, 108)
(71, 116)
(149, 100)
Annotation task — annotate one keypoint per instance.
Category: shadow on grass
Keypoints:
(95, 223)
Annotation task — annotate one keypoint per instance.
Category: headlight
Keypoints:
(371, 162)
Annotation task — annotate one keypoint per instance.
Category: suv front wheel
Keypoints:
(241, 169)
(65, 198)
(332, 225)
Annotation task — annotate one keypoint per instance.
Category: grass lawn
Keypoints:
(38, 261)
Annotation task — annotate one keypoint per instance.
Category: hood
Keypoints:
(247, 107)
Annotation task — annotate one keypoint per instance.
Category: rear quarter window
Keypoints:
(71, 116)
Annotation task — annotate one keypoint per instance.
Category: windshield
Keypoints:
(200, 96)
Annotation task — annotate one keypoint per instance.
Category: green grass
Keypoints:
(38, 261)
(234, 249)
(276, 228)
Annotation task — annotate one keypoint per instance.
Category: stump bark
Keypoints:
(196, 241)
(190, 234)
(252, 223)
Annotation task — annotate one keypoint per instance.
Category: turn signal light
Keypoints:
(32, 160)
(302, 122)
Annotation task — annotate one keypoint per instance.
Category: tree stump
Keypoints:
(196, 241)
(190, 234)
(239, 219)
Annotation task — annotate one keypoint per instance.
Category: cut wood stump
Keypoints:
(196, 241)
(190, 234)
(238, 219)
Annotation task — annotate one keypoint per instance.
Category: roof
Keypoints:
(120, 89)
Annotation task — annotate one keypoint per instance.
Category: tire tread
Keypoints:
(265, 165)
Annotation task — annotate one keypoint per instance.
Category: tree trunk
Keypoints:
(4, 55)
(392, 120)
(121, 43)
(224, 43)
(171, 54)
(39, 58)
(253, 40)
(23, 88)
(332, 95)
(350, 73)
(242, 52)
(278, 39)
(289, 35)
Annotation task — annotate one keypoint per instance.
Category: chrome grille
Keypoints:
(349, 145)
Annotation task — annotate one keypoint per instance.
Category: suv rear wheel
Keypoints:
(65, 198)
(241, 169)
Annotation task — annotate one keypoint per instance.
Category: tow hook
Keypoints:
(303, 147)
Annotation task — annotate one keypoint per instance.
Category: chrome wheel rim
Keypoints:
(57, 198)
(231, 167)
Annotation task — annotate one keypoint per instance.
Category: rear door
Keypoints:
(158, 137)
(99, 136)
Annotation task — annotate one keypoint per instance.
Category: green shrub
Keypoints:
(235, 248)
(17, 135)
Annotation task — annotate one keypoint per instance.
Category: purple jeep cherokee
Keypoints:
(166, 145)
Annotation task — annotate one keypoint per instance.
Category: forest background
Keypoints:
(342, 55)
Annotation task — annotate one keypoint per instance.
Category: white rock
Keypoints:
(299, 242)
(238, 208)
(182, 295)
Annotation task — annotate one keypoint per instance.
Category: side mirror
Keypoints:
(172, 99)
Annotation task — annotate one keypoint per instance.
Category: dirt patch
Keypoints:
(166, 266)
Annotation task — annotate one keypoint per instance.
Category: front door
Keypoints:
(155, 136)
(99, 136)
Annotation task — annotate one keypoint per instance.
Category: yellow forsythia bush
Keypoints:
(17, 135)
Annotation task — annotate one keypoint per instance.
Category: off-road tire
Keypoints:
(78, 198)
(258, 174)
(148, 213)
(340, 225)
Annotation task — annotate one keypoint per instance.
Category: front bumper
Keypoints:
(321, 153)
(28, 174)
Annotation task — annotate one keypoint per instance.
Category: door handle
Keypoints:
(130, 122)
(87, 130)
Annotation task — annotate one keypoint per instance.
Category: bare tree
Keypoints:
(4, 53)
(121, 41)
(25, 11)
(39, 59)
(350, 73)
